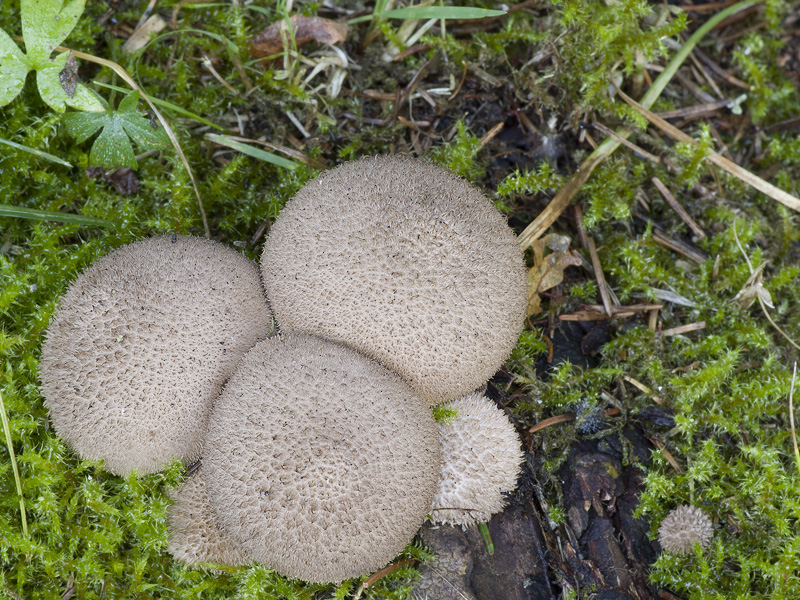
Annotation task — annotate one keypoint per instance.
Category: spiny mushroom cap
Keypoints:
(320, 462)
(194, 535)
(683, 527)
(140, 345)
(405, 262)
(481, 460)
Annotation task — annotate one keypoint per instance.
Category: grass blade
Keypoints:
(35, 152)
(10, 446)
(167, 105)
(7, 210)
(562, 199)
(253, 151)
(440, 12)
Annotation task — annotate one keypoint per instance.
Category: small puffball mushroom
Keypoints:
(481, 459)
(405, 262)
(141, 344)
(683, 527)
(194, 536)
(319, 462)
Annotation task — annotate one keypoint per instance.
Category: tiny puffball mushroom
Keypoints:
(481, 461)
(683, 527)
(319, 462)
(404, 262)
(194, 536)
(141, 344)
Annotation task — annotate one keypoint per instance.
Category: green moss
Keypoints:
(727, 384)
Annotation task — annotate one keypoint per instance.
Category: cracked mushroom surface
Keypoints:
(141, 344)
(481, 461)
(194, 535)
(405, 262)
(319, 462)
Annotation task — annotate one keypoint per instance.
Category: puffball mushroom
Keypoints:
(404, 262)
(194, 536)
(683, 527)
(141, 344)
(481, 460)
(319, 462)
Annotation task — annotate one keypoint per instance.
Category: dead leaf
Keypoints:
(754, 289)
(548, 270)
(306, 29)
(69, 76)
(142, 35)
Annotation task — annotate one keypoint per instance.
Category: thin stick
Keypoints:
(676, 206)
(17, 480)
(731, 167)
(630, 145)
(598, 273)
(543, 424)
(562, 199)
(684, 329)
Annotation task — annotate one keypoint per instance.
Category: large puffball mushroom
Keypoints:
(481, 461)
(405, 262)
(319, 462)
(141, 344)
(194, 535)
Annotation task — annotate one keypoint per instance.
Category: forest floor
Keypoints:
(655, 368)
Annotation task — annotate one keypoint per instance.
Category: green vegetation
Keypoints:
(727, 383)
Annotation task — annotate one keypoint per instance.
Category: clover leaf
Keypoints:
(113, 147)
(45, 24)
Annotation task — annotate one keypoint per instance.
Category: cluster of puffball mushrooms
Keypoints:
(387, 286)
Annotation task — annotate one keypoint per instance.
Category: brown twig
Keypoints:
(676, 206)
(598, 273)
(636, 149)
(753, 180)
(461, 83)
(684, 329)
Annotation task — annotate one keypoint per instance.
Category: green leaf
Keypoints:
(440, 12)
(45, 24)
(145, 133)
(113, 147)
(82, 125)
(253, 151)
(48, 79)
(7, 210)
(35, 152)
(165, 104)
(13, 69)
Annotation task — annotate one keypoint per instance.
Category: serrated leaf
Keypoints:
(82, 125)
(137, 127)
(45, 24)
(13, 69)
(112, 148)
